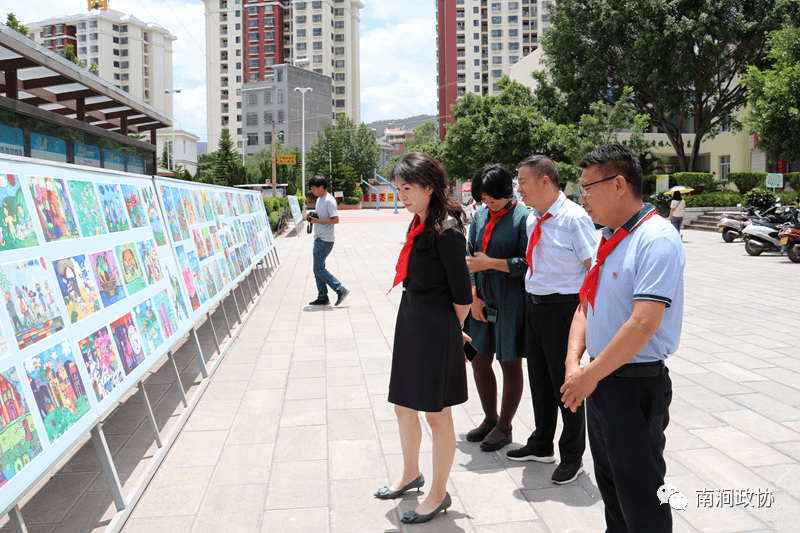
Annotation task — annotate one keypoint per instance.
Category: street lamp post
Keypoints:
(303, 90)
(173, 92)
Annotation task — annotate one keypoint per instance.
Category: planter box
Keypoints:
(345, 207)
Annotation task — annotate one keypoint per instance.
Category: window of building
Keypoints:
(301, 34)
(238, 26)
(238, 105)
(115, 40)
(495, 87)
(252, 119)
(513, 46)
(253, 10)
(301, 19)
(116, 64)
(269, 61)
(238, 14)
(461, 52)
(269, 22)
(317, 32)
(252, 139)
(60, 41)
(252, 23)
(317, 45)
(512, 59)
(81, 25)
(338, 90)
(116, 76)
(497, 73)
(513, 6)
(318, 70)
(317, 60)
(125, 77)
(339, 103)
(269, 48)
(497, 47)
(301, 47)
(125, 88)
(252, 49)
(545, 17)
(512, 19)
(497, 20)
(82, 51)
(123, 28)
(316, 18)
(239, 119)
(513, 33)
(300, 6)
(460, 65)
(280, 116)
(269, 35)
(82, 38)
(496, 6)
(497, 60)
(496, 34)
(268, 137)
(317, 4)
(477, 62)
(339, 38)
(476, 10)
(94, 61)
(725, 128)
(93, 49)
(280, 96)
(224, 121)
(339, 76)
(268, 98)
(92, 36)
(279, 76)
(252, 36)
(92, 24)
(724, 166)
(125, 53)
(123, 40)
(475, 23)
(238, 53)
(238, 39)
(339, 63)
(267, 117)
(124, 64)
(252, 63)
(238, 79)
(114, 27)
(338, 25)
(48, 31)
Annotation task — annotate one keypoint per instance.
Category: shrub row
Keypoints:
(713, 199)
(274, 204)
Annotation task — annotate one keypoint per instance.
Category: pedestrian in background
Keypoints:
(496, 243)
(327, 217)
(559, 253)
(629, 322)
(676, 207)
(428, 369)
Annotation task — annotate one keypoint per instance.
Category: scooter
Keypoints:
(790, 238)
(762, 236)
(730, 225)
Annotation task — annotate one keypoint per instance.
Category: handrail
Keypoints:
(377, 195)
(394, 188)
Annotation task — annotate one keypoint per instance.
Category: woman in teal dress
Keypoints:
(497, 242)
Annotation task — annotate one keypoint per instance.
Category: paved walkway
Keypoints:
(294, 434)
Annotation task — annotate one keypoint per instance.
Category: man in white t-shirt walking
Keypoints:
(327, 216)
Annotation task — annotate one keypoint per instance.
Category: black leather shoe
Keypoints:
(412, 517)
(342, 296)
(384, 493)
(320, 301)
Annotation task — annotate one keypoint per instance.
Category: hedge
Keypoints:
(792, 179)
(274, 204)
(713, 199)
(273, 219)
(747, 181)
(695, 180)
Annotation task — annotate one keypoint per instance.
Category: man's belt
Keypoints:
(554, 298)
(640, 370)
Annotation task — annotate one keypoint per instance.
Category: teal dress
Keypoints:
(504, 291)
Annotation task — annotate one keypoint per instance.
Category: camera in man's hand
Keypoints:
(309, 216)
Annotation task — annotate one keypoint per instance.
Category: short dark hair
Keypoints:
(619, 159)
(541, 165)
(495, 181)
(318, 181)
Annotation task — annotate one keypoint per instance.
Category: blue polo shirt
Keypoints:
(645, 265)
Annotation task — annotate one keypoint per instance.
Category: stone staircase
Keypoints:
(706, 220)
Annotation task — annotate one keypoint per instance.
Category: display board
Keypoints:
(294, 206)
(101, 273)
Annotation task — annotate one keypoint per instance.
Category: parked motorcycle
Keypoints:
(730, 225)
(790, 238)
(762, 235)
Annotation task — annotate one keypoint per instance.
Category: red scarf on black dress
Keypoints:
(417, 227)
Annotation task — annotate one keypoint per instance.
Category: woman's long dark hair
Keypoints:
(423, 170)
(677, 196)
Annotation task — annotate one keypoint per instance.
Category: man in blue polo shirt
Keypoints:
(629, 321)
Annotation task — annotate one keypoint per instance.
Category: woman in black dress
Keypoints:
(428, 367)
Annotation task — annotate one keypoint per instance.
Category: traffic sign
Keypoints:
(775, 180)
(287, 159)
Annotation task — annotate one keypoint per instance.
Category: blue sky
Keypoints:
(398, 53)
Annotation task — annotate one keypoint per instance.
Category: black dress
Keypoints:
(428, 368)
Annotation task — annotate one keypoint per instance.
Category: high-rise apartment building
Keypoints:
(134, 55)
(245, 39)
(478, 41)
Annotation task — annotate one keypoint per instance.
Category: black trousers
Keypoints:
(626, 419)
(546, 350)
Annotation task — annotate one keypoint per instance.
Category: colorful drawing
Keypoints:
(133, 203)
(16, 224)
(131, 271)
(87, 208)
(111, 202)
(208, 277)
(188, 277)
(102, 363)
(224, 270)
(77, 288)
(172, 217)
(207, 241)
(194, 264)
(232, 259)
(197, 201)
(188, 205)
(149, 256)
(228, 206)
(206, 205)
(162, 303)
(58, 388)
(19, 440)
(179, 212)
(147, 321)
(219, 198)
(4, 351)
(128, 341)
(217, 273)
(53, 207)
(107, 277)
(228, 261)
(202, 252)
(30, 304)
(176, 290)
(149, 202)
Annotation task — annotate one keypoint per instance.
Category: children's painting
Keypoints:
(207, 205)
(107, 277)
(177, 292)
(58, 388)
(133, 204)
(131, 270)
(128, 342)
(200, 285)
(164, 308)
(77, 288)
(177, 201)
(198, 205)
(188, 206)
(87, 208)
(207, 241)
(223, 268)
(102, 363)
(19, 440)
(199, 243)
(149, 203)
(111, 202)
(211, 282)
(4, 351)
(16, 224)
(150, 262)
(147, 321)
(54, 209)
(188, 277)
(30, 303)
(172, 216)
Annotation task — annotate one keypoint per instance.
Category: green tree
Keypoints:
(775, 98)
(14, 24)
(205, 167)
(425, 134)
(165, 161)
(69, 55)
(94, 68)
(682, 58)
(343, 145)
(228, 168)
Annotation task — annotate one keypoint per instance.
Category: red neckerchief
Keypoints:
(402, 262)
(535, 236)
(495, 218)
(589, 287)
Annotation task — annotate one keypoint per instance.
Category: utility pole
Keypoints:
(274, 163)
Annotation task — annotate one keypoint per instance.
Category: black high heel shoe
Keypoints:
(384, 493)
(411, 517)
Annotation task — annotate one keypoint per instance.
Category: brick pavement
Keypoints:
(295, 433)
